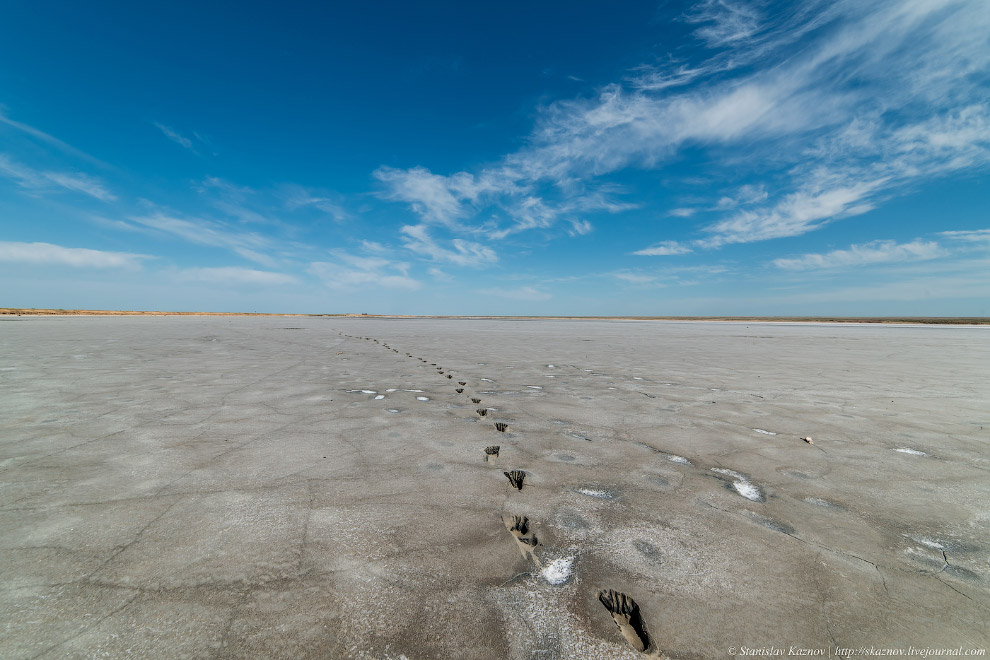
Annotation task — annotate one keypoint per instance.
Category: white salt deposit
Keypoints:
(742, 485)
(764, 432)
(534, 387)
(414, 390)
(392, 389)
(380, 396)
(747, 490)
(558, 570)
(729, 473)
(422, 398)
(927, 542)
(678, 459)
(592, 492)
(913, 452)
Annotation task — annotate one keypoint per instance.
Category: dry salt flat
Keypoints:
(228, 487)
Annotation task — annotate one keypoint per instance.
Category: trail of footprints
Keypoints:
(623, 609)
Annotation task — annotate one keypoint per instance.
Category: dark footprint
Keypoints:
(475, 400)
(492, 453)
(459, 390)
(482, 411)
(516, 478)
(501, 426)
(449, 376)
(462, 382)
(625, 613)
(518, 526)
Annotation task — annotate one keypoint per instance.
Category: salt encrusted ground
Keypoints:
(285, 488)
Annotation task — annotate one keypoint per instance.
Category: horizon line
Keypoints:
(954, 320)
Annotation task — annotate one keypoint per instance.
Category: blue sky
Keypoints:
(719, 157)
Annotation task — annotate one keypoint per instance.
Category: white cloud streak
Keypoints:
(41, 136)
(235, 275)
(362, 272)
(665, 248)
(175, 136)
(45, 180)
(416, 238)
(875, 252)
(57, 255)
(249, 245)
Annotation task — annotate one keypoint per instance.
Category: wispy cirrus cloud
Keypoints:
(874, 252)
(417, 239)
(725, 22)
(58, 255)
(296, 197)
(40, 181)
(873, 94)
(352, 271)
(969, 235)
(250, 245)
(664, 248)
(51, 140)
(234, 275)
(174, 136)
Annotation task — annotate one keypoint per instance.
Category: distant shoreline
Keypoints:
(921, 320)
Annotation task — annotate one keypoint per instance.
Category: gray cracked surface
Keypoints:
(227, 487)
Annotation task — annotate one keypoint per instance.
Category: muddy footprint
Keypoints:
(459, 390)
(492, 453)
(482, 411)
(516, 478)
(501, 426)
(462, 382)
(526, 540)
(625, 613)
(475, 400)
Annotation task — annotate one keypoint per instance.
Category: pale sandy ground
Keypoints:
(222, 487)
